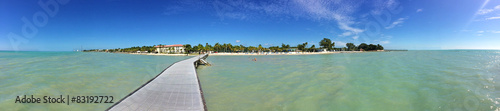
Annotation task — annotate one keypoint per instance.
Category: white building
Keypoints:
(177, 48)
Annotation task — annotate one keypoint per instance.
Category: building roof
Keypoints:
(175, 45)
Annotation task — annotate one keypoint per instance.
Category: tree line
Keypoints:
(130, 49)
(326, 44)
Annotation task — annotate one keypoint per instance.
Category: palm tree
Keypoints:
(260, 48)
(200, 48)
(217, 47)
(229, 47)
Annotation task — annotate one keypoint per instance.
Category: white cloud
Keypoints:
(494, 31)
(491, 18)
(385, 42)
(345, 26)
(338, 11)
(395, 23)
(382, 5)
(342, 13)
(329, 10)
(267, 44)
(465, 30)
(181, 7)
(420, 10)
(383, 36)
(479, 33)
(355, 37)
(486, 11)
(237, 41)
(339, 44)
(346, 34)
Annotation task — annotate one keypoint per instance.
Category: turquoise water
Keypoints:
(412, 80)
(384, 81)
(75, 74)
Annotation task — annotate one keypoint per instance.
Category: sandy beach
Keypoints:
(250, 53)
(282, 53)
(155, 54)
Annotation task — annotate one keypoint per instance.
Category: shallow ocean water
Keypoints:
(409, 80)
(74, 74)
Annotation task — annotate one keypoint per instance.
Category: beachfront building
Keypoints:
(322, 50)
(293, 49)
(177, 49)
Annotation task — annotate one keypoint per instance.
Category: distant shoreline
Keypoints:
(255, 53)
(155, 54)
(283, 53)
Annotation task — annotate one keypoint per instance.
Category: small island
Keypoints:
(325, 46)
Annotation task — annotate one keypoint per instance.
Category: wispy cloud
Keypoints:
(381, 41)
(176, 7)
(385, 42)
(492, 18)
(238, 41)
(338, 11)
(342, 13)
(345, 34)
(397, 22)
(339, 44)
(486, 11)
(330, 10)
(420, 10)
(494, 31)
(489, 31)
(355, 37)
(381, 5)
(465, 30)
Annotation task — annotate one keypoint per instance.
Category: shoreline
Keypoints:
(282, 53)
(154, 54)
(259, 54)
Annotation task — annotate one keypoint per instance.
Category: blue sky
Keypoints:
(396, 24)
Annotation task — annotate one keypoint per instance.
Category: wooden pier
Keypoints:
(176, 88)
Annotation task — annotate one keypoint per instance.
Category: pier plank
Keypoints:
(176, 88)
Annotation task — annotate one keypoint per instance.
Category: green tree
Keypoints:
(260, 48)
(229, 47)
(208, 47)
(327, 43)
(251, 48)
(372, 47)
(301, 47)
(350, 46)
(187, 48)
(363, 46)
(305, 46)
(200, 48)
(379, 47)
(242, 48)
(284, 47)
(312, 49)
(237, 48)
(274, 48)
(217, 47)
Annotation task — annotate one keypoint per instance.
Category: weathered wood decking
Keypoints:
(176, 88)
